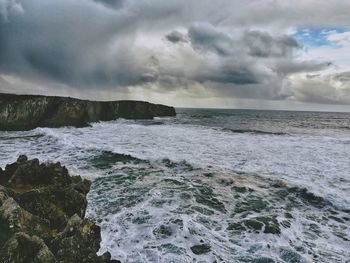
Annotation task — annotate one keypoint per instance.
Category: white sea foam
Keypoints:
(319, 163)
(129, 232)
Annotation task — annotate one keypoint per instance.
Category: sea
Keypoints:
(209, 185)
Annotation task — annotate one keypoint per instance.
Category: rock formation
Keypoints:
(23, 112)
(42, 212)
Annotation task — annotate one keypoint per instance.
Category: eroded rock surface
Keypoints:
(42, 212)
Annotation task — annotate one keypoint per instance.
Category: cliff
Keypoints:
(24, 112)
(42, 212)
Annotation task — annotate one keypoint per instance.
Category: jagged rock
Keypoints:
(3, 194)
(19, 220)
(42, 213)
(80, 236)
(54, 203)
(23, 112)
(22, 248)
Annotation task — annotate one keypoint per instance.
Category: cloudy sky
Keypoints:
(194, 53)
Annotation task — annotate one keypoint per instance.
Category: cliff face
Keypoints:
(42, 212)
(23, 112)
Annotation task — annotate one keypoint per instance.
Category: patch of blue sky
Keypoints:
(313, 37)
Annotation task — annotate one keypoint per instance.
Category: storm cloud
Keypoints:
(262, 44)
(227, 48)
(176, 37)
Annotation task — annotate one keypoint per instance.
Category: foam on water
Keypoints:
(181, 187)
(319, 163)
(151, 213)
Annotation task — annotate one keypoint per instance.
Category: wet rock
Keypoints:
(23, 112)
(200, 249)
(42, 213)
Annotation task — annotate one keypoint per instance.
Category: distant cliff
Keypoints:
(24, 112)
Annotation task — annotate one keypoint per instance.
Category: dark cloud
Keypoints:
(118, 44)
(206, 37)
(287, 67)
(176, 37)
(227, 74)
(262, 44)
(111, 3)
(70, 43)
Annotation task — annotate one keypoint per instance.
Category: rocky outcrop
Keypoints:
(23, 112)
(42, 212)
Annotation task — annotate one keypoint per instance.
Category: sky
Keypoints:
(260, 54)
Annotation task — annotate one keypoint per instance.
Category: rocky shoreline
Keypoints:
(25, 112)
(42, 215)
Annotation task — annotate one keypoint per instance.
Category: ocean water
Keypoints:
(210, 185)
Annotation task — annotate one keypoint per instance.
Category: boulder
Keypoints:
(42, 212)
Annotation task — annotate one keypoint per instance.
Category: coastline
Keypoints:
(26, 112)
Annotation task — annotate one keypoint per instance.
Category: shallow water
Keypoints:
(229, 184)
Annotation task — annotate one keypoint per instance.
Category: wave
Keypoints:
(253, 131)
(240, 218)
(151, 123)
(242, 150)
(106, 159)
(21, 137)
